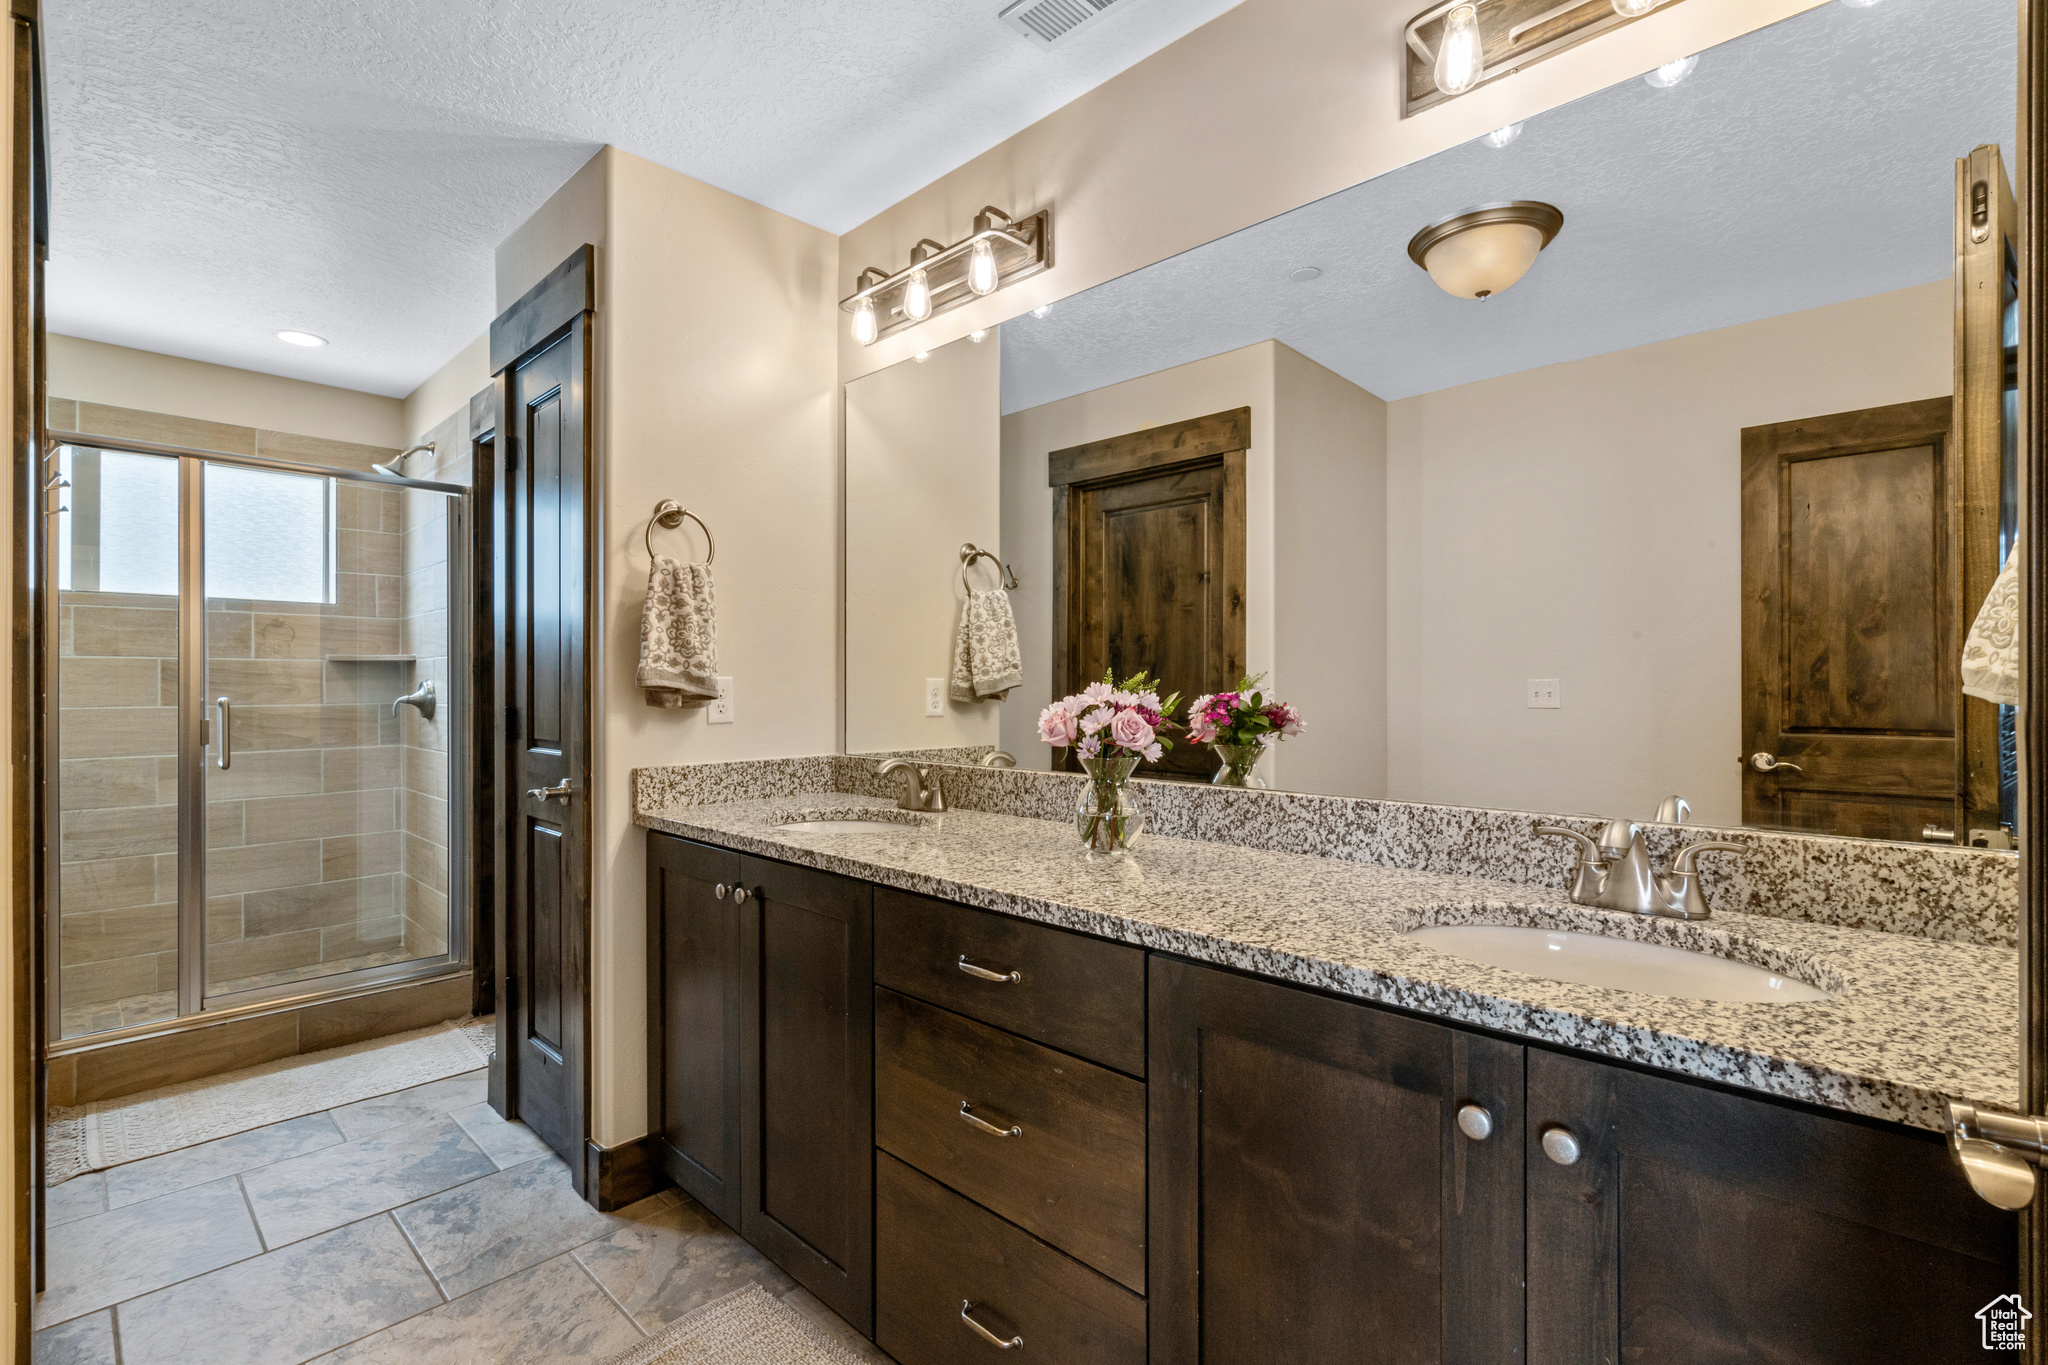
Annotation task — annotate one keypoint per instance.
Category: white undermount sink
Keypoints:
(1594, 960)
(845, 827)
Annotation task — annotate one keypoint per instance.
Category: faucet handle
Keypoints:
(1589, 852)
(1684, 863)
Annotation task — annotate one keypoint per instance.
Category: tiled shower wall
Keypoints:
(314, 865)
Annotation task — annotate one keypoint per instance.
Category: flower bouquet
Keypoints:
(1240, 726)
(1111, 726)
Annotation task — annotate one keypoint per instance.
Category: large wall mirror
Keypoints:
(1704, 508)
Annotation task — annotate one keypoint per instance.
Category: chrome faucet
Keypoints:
(421, 698)
(1615, 872)
(921, 790)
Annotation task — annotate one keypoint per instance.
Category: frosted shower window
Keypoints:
(269, 536)
(138, 540)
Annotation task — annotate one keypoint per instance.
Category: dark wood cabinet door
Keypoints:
(807, 1080)
(1698, 1226)
(693, 994)
(1313, 1200)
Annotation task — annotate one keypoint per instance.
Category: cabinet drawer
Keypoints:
(936, 1252)
(1078, 994)
(1073, 1173)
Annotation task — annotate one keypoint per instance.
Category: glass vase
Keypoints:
(1236, 763)
(1107, 817)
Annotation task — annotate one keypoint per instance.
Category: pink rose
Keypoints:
(1056, 726)
(1202, 730)
(1129, 730)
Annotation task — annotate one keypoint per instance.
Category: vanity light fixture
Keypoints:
(1671, 73)
(1501, 137)
(1455, 46)
(1483, 251)
(291, 338)
(1460, 56)
(1633, 9)
(1000, 251)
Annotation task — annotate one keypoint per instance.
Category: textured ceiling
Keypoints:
(1801, 165)
(226, 168)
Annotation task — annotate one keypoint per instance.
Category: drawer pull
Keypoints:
(984, 974)
(967, 1112)
(1000, 1343)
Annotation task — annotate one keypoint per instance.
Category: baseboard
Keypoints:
(622, 1175)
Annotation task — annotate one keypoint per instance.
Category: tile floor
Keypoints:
(418, 1228)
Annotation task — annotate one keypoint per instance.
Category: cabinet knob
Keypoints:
(719, 890)
(1474, 1122)
(1009, 1343)
(1561, 1145)
(740, 894)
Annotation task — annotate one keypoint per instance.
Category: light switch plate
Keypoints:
(935, 696)
(720, 710)
(1543, 694)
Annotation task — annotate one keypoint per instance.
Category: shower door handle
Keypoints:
(226, 750)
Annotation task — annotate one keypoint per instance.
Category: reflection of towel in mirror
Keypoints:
(678, 635)
(1991, 655)
(986, 664)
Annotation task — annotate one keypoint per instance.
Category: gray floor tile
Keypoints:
(79, 1197)
(412, 1106)
(336, 1185)
(674, 1257)
(508, 1144)
(490, 1228)
(189, 1166)
(82, 1341)
(113, 1256)
(552, 1312)
(283, 1307)
(811, 1306)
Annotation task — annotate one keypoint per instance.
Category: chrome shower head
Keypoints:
(396, 469)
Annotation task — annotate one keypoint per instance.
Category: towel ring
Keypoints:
(669, 514)
(1005, 576)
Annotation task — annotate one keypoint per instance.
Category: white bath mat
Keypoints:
(751, 1327)
(92, 1137)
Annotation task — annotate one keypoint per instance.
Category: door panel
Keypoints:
(1312, 1197)
(548, 908)
(693, 988)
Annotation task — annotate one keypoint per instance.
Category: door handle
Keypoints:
(225, 754)
(1771, 763)
(565, 791)
(1000, 1343)
(967, 1112)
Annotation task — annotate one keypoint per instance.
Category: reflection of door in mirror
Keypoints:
(1149, 561)
(1850, 649)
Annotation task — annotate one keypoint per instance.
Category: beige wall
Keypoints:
(922, 476)
(717, 386)
(447, 390)
(1263, 109)
(1583, 522)
(94, 372)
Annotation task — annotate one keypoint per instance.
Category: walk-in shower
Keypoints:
(256, 731)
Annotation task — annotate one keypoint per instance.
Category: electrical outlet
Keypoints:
(720, 710)
(1543, 694)
(935, 696)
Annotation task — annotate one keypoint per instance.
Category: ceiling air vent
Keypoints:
(1050, 22)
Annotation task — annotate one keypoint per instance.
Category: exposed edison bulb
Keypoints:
(981, 267)
(1460, 61)
(1630, 9)
(917, 296)
(1671, 73)
(1501, 137)
(864, 322)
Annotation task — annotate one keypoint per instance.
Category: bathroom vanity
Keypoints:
(1215, 1104)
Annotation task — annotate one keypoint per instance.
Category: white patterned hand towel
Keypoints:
(1991, 655)
(678, 635)
(986, 663)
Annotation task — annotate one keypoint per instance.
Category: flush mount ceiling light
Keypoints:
(1456, 46)
(1302, 274)
(292, 338)
(999, 252)
(1483, 251)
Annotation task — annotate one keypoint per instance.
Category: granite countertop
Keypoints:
(1911, 1024)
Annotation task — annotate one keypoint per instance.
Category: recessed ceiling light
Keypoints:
(1304, 273)
(291, 338)
(1501, 137)
(1671, 73)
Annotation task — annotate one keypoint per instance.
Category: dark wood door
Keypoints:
(1149, 561)
(807, 1069)
(693, 1008)
(1698, 1226)
(548, 896)
(1313, 1200)
(1851, 648)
